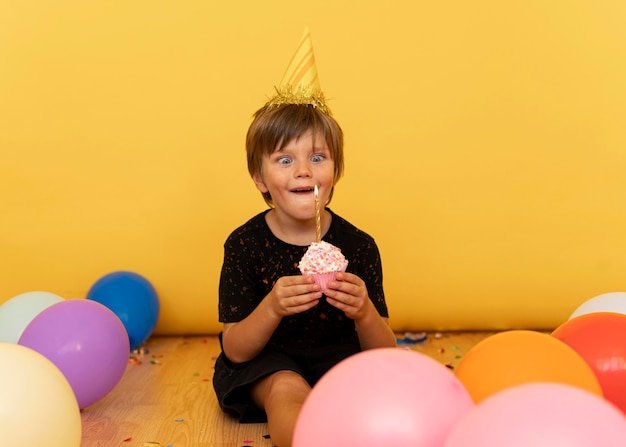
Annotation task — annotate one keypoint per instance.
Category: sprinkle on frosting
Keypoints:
(322, 257)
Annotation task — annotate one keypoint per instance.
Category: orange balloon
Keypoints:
(519, 357)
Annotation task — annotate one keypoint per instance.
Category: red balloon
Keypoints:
(600, 339)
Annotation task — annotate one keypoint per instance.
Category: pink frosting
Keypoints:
(322, 257)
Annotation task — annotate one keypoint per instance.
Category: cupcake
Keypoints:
(322, 260)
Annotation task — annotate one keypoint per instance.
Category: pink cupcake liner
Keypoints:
(323, 278)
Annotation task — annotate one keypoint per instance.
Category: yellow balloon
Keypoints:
(519, 357)
(37, 404)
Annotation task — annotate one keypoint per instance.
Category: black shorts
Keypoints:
(232, 381)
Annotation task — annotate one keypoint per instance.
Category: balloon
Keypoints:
(86, 341)
(16, 313)
(383, 396)
(607, 302)
(541, 415)
(37, 405)
(516, 357)
(600, 339)
(133, 299)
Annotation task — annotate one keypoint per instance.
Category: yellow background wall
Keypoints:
(485, 146)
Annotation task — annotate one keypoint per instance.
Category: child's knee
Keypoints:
(280, 385)
(288, 382)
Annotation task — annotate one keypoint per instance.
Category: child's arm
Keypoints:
(244, 340)
(349, 294)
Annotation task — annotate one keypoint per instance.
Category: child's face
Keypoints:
(291, 173)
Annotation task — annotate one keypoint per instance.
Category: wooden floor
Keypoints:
(166, 396)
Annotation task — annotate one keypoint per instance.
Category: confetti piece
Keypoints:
(438, 335)
(155, 362)
(416, 337)
(412, 338)
(152, 444)
(180, 420)
(455, 347)
(196, 373)
(127, 439)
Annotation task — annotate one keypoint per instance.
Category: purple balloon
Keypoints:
(86, 341)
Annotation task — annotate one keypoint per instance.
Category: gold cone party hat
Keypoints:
(300, 83)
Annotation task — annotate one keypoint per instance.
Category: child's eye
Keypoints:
(317, 158)
(284, 160)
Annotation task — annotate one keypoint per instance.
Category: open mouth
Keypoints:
(302, 190)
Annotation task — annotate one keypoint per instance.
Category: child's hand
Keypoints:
(349, 294)
(294, 294)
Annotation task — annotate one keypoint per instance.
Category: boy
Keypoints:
(281, 334)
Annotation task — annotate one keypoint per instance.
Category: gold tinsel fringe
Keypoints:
(286, 95)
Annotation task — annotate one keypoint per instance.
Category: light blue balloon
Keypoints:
(19, 311)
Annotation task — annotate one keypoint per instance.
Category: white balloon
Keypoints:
(38, 405)
(606, 302)
(19, 311)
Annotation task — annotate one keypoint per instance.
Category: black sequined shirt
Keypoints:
(254, 259)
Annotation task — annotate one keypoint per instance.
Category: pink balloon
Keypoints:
(381, 397)
(541, 415)
(86, 341)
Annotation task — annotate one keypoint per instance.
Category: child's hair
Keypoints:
(273, 127)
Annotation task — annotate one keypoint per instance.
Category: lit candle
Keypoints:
(318, 226)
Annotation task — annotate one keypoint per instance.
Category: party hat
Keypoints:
(300, 83)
